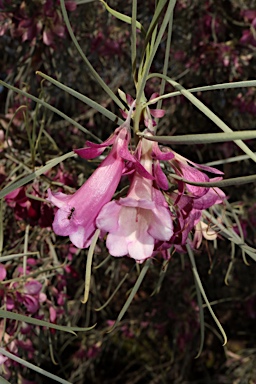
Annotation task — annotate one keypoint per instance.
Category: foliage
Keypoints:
(151, 318)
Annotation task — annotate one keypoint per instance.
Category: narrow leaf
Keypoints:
(203, 138)
(215, 87)
(113, 294)
(209, 306)
(3, 381)
(16, 316)
(104, 111)
(17, 255)
(133, 293)
(133, 39)
(229, 160)
(122, 17)
(88, 271)
(221, 184)
(202, 291)
(50, 107)
(206, 111)
(166, 60)
(33, 175)
(200, 304)
(92, 71)
(145, 68)
(32, 366)
(230, 234)
(158, 11)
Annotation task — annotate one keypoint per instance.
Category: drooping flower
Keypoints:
(135, 223)
(77, 213)
(187, 201)
(191, 171)
(188, 211)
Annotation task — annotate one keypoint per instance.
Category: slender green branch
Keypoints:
(32, 366)
(27, 179)
(215, 87)
(134, 41)
(207, 112)
(166, 59)
(221, 184)
(50, 107)
(94, 74)
(149, 60)
(203, 138)
(104, 111)
(122, 17)
(133, 292)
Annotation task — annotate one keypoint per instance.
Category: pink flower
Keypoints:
(182, 167)
(29, 209)
(54, 28)
(188, 212)
(249, 34)
(188, 201)
(31, 296)
(3, 272)
(137, 222)
(77, 213)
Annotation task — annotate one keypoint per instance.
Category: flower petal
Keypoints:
(161, 225)
(108, 217)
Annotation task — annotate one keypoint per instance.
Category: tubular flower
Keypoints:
(182, 167)
(77, 213)
(188, 211)
(135, 223)
(187, 201)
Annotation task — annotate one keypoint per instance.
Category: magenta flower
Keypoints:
(188, 201)
(29, 295)
(188, 212)
(29, 209)
(3, 272)
(137, 222)
(249, 34)
(78, 212)
(193, 173)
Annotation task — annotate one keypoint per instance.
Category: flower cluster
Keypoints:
(30, 209)
(249, 37)
(159, 210)
(25, 295)
(30, 20)
(212, 45)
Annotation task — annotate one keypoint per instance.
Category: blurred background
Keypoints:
(158, 339)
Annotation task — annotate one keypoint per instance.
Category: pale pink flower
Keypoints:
(203, 230)
(3, 142)
(78, 212)
(137, 222)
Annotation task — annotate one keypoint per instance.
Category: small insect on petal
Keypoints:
(72, 210)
